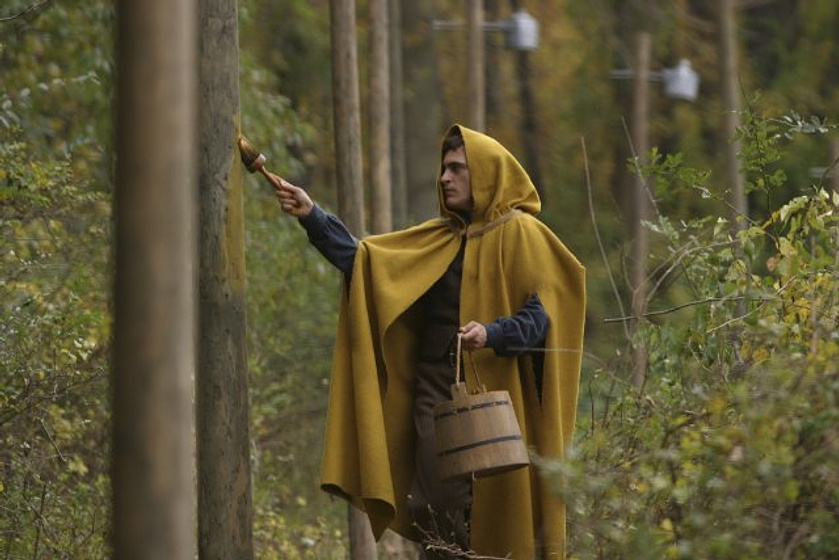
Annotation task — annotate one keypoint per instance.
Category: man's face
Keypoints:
(457, 190)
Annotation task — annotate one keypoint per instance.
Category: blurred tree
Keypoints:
(423, 112)
(154, 295)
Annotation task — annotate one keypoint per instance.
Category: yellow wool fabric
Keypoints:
(369, 446)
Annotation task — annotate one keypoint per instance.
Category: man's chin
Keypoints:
(455, 206)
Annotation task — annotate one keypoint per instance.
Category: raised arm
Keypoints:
(326, 231)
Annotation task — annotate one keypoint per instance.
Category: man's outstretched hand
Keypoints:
(473, 335)
(293, 200)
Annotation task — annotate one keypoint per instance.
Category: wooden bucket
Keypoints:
(477, 435)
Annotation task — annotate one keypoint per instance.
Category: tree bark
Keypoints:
(735, 180)
(475, 60)
(732, 106)
(399, 177)
(423, 108)
(347, 114)
(224, 475)
(641, 142)
(379, 109)
(154, 297)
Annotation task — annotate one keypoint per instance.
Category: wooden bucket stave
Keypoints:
(477, 435)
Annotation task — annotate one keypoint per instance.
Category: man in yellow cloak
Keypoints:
(489, 265)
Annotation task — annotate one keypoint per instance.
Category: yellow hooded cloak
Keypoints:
(369, 445)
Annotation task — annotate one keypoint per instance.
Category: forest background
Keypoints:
(729, 448)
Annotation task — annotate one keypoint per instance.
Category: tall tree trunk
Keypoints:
(641, 142)
(154, 298)
(224, 476)
(346, 108)
(379, 110)
(399, 175)
(423, 108)
(475, 64)
(731, 104)
(347, 117)
(384, 77)
(494, 83)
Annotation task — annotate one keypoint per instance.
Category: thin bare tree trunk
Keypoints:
(423, 108)
(386, 129)
(641, 142)
(379, 102)
(347, 115)
(224, 474)
(732, 105)
(362, 543)
(154, 299)
(475, 60)
(399, 175)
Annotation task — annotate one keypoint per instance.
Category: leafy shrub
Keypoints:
(730, 449)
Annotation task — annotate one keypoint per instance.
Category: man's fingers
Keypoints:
(275, 180)
(473, 335)
(469, 330)
(288, 187)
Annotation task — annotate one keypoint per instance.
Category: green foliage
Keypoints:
(54, 281)
(292, 296)
(292, 312)
(729, 450)
(53, 348)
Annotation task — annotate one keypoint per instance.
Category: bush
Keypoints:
(730, 449)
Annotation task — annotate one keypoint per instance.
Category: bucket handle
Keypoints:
(481, 387)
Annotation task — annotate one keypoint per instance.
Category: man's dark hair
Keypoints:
(453, 141)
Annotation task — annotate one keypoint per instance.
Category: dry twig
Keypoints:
(26, 11)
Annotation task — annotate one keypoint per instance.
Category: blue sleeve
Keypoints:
(514, 335)
(331, 237)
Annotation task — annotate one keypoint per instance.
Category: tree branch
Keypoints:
(672, 309)
(26, 11)
(597, 236)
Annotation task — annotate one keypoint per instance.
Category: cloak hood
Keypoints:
(509, 255)
(499, 182)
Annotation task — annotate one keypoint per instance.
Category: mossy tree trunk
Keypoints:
(224, 476)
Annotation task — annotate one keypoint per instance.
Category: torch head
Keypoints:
(253, 160)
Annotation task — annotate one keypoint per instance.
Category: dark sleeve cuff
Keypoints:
(315, 222)
(494, 336)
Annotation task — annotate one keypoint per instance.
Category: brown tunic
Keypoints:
(439, 508)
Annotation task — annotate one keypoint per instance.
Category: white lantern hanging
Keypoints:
(522, 32)
(681, 82)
